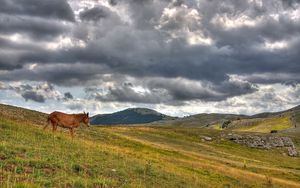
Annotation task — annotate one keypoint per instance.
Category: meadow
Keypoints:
(134, 156)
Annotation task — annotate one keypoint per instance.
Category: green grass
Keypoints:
(216, 127)
(134, 157)
(264, 125)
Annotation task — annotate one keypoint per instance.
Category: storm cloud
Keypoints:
(31, 95)
(68, 96)
(171, 52)
(58, 9)
(37, 93)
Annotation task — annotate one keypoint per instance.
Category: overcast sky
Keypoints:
(175, 56)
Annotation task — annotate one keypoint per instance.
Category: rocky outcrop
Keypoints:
(265, 142)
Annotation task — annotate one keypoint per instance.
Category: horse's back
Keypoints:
(59, 114)
(61, 118)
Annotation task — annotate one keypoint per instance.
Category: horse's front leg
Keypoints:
(72, 132)
(45, 127)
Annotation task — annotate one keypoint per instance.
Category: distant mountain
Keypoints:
(129, 116)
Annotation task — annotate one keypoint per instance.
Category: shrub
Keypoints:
(19, 170)
(225, 124)
(77, 168)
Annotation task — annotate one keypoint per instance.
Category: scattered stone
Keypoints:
(288, 142)
(206, 138)
(264, 142)
(113, 170)
(292, 152)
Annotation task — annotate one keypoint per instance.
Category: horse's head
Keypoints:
(86, 119)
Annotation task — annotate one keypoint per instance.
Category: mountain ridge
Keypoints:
(130, 116)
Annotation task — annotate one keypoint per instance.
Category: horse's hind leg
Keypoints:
(54, 127)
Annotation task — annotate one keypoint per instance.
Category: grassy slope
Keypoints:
(202, 120)
(260, 125)
(264, 122)
(267, 124)
(134, 157)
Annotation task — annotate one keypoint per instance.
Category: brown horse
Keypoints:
(69, 121)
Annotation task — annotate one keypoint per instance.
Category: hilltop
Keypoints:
(130, 116)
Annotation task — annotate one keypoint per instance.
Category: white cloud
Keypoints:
(183, 22)
(276, 45)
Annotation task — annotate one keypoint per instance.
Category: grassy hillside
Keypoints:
(260, 125)
(129, 116)
(264, 125)
(135, 157)
(203, 120)
(284, 121)
(22, 115)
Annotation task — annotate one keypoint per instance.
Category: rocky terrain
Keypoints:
(265, 142)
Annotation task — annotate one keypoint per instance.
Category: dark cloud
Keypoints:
(42, 20)
(59, 74)
(31, 95)
(291, 3)
(177, 3)
(38, 93)
(173, 91)
(68, 96)
(94, 14)
(113, 2)
(182, 50)
(33, 27)
(126, 93)
(185, 90)
(58, 9)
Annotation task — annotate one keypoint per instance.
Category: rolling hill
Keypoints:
(129, 116)
(287, 120)
(134, 156)
(203, 120)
